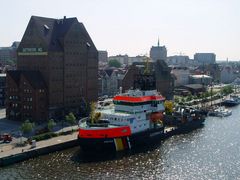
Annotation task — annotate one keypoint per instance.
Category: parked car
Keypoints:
(6, 137)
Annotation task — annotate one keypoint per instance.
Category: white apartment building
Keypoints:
(205, 58)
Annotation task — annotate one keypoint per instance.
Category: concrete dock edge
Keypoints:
(35, 152)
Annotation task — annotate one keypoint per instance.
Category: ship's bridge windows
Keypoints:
(131, 103)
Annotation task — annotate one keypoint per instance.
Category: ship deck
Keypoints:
(97, 126)
(113, 112)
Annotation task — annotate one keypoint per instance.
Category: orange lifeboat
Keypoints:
(156, 116)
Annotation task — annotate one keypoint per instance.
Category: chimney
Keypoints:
(63, 20)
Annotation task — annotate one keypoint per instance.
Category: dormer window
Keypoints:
(46, 29)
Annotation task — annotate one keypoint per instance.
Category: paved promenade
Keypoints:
(9, 150)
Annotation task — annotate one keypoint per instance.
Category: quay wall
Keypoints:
(35, 152)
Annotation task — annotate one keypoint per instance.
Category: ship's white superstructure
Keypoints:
(135, 109)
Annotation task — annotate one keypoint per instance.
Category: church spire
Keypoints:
(158, 41)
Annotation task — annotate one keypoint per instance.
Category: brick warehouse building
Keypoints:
(60, 54)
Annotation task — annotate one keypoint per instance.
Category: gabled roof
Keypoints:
(15, 44)
(15, 75)
(109, 71)
(61, 27)
(102, 73)
(34, 78)
(194, 86)
(40, 24)
(52, 30)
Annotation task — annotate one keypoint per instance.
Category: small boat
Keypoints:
(232, 101)
(187, 118)
(220, 112)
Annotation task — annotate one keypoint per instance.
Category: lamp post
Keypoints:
(211, 91)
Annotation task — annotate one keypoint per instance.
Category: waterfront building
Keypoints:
(229, 73)
(63, 54)
(135, 59)
(181, 75)
(159, 69)
(109, 82)
(158, 53)
(102, 56)
(212, 70)
(2, 89)
(194, 89)
(200, 79)
(205, 58)
(178, 60)
(8, 55)
(26, 96)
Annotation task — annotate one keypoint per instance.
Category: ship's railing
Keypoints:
(82, 121)
(86, 122)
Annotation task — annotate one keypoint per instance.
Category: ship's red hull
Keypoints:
(124, 142)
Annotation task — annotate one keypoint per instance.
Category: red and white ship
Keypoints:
(135, 118)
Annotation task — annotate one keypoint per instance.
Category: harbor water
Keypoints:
(211, 152)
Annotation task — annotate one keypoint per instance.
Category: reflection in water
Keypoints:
(211, 152)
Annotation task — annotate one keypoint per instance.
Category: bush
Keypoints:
(49, 135)
(27, 127)
(42, 131)
(65, 133)
(51, 124)
(177, 100)
(44, 136)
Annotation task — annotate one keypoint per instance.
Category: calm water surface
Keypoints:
(212, 152)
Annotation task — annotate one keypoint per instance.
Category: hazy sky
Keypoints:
(133, 26)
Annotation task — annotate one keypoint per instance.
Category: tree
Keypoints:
(168, 107)
(189, 98)
(70, 119)
(51, 124)
(227, 90)
(114, 63)
(97, 116)
(27, 127)
(92, 112)
(176, 99)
